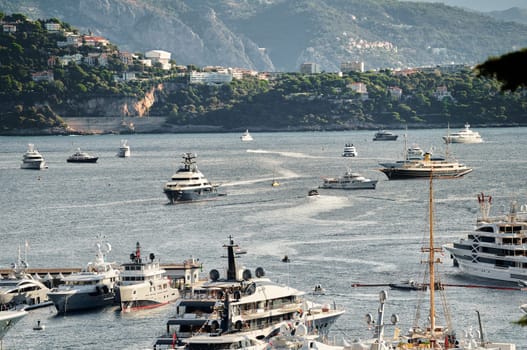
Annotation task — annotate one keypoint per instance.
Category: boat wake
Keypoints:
(110, 204)
(285, 154)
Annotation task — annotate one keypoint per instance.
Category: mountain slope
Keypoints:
(281, 34)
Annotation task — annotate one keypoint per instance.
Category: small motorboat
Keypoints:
(319, 290)
(313, 193)
(408, 285)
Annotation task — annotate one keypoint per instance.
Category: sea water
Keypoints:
(337, 239)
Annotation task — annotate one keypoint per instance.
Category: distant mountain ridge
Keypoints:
(279, 35)
(514, 14)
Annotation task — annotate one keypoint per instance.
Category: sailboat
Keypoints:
(435, 336)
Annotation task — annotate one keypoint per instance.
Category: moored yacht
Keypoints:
(32, 159)
(497, 248)
(463, 136)
(143, 284)
(124, 149)
(246, 136)
(91, 288)
(188, 183)
(82, 157)
(243, 304)
(349, 150)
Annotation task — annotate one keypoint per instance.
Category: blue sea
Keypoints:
(337, 239)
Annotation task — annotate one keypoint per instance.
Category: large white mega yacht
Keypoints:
(497, 248)
(91, 288)
(188, 183)
(243, 304)
(32, 159)
(143, 284)
(463, 136)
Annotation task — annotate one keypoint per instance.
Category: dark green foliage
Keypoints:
(508, 69)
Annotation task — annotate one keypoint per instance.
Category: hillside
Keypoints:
(279, 35)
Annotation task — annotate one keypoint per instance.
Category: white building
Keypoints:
(159, 56)
(210, 78)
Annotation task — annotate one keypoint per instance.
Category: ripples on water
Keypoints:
(337, 239)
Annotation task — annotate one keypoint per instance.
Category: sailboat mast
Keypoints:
(431, 257)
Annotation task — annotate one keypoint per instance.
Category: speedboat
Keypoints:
(189, 184)
(429, 166)
(91, 288)
(349, 181)
(246, 136)
(32, 159)
(496, 249)
(408, 285)
(318, 290)
(143, 284)
(8, 319)
(124, 149)
(463, 136)
(383, 135)
(244, 304)
(349, 150)
(82, 157)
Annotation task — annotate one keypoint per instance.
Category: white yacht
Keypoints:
(124, 149)
(93, 287)
(188, 183)
(243, 304)
(143, 284)
(349, 150)
(246, 136)
(349, 181)
(8, 319)
(497, 248)
(463, 136)
(32, 159)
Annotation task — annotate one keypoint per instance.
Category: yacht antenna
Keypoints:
(485, 202)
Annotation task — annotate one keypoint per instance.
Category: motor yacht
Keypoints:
(91, 288)
(497, 248)
(82, 157)
(349, 150)
(242, 303)
(124, 149)
(383, 135)
(143, 284)
(463, 136)
(32, 159)
(189, 184)
(349, 181)
(246, 136)
(429, 166)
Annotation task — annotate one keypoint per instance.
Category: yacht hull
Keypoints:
(136, 297)
(84, 160)
(367, 185)
(34, 165)
(461, 140)
(75, 301)
(8, 319)
(415, 173)
(175, 196)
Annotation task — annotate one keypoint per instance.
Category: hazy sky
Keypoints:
(483, 5)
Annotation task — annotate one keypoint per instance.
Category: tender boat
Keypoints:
(82, 157)
(383, 135)
(319, 290)
(246, 136)
(32, 159)
(189, 184)
(437, 167)
(349, 150)
(349, 181)
(408, 285)
(463, 136)
(92, 288)
(313, 193)
(124, 149)
(497, 248)
(241, 303)
(143, 284)
(8, 319)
